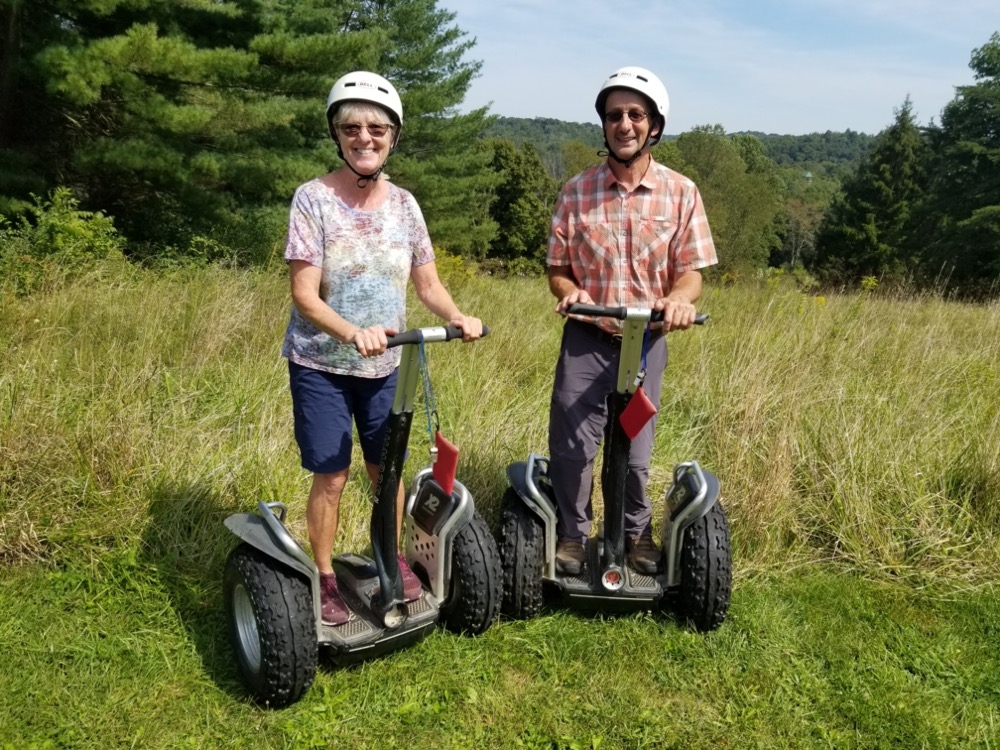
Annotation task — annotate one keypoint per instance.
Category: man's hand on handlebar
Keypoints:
(677, 314)
(577, 296)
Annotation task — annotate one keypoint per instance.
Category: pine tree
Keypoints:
(961, 218)
(200, 117)
(524, 202)
(867, 229)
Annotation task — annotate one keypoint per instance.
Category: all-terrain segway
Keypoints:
(271, 585)
(695, 579)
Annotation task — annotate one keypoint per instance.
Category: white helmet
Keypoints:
(362, 86)
(644, 82)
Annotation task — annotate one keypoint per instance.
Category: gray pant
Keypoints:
(587, 371)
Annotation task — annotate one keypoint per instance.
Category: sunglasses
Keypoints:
(353, 130)
(616, 115)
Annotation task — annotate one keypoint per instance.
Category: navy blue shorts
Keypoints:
(324, 406)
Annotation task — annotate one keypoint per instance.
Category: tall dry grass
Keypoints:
(136, 415)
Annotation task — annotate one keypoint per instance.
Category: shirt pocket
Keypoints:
(598, 245)
(652, 244)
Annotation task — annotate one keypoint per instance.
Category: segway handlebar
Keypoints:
(438, 333)
(622, 313)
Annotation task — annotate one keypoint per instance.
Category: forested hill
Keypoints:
(548, 135)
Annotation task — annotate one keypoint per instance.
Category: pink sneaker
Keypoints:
(332, 606)
(411, 584)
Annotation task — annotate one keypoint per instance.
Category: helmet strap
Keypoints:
(624, 162)
(363, 179)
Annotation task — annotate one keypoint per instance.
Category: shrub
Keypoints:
(56, 243)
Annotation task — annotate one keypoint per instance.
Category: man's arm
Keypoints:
(678, 306)
(563, 286)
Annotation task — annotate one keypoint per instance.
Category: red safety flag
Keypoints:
(445, 463)
(637, 413)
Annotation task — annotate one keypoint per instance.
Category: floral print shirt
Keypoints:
(366, 257)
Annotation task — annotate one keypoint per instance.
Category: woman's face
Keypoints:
(365, 134)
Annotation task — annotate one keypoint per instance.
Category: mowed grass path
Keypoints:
(855, 438)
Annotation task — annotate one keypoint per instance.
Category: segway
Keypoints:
(271, 585)
(695, 578)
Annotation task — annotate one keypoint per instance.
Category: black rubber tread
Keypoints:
(286, 627)
(522, 557)
(706, 571)
(474, 600)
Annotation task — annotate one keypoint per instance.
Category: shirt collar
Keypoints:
(648, 180)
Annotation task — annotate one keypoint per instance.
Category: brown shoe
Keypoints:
(570, 556)
(643, 554)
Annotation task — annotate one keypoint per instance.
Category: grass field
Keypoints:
(855, 437)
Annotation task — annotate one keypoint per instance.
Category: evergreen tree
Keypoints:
(201, 117)
(867, 229)
(962, 215)
(524, 201)
(438, 161)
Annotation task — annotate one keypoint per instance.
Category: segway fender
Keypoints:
(517, 477)
(525, 479)
(693, 494)
(267, 533)
(431, 520)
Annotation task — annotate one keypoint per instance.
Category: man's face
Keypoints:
(629, 133)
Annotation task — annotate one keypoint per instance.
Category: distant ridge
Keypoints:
(547, 135)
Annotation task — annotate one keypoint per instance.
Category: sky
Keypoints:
(789, 68)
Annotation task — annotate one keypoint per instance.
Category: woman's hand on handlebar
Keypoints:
(577, 296)
(472, 328)
(677, 314)
(371, 341)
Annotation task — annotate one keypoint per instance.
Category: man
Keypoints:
(628, 232)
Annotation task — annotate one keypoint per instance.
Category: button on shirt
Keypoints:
(627, 248)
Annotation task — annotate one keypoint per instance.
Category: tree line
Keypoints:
(187, 124)
(924, 205)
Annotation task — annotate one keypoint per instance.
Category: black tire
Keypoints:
(269, 616)
(473, 602)
(706, 571)
(522, 558)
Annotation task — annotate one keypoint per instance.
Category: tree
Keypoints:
(743, 201)
(578, 156)
(199, 117)
(867, 230)
(961, 217)
(524, 199)
(423, 55)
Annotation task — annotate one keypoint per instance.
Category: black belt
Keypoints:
(611, 339)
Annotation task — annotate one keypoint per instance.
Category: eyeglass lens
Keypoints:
(616, 115)
(353, 129)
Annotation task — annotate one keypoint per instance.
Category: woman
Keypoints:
(353, 240)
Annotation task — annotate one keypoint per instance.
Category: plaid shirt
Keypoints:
(627, 249)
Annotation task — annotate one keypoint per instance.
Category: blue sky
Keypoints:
(762, 65)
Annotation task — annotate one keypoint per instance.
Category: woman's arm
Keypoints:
(436, 298)
(305, 280)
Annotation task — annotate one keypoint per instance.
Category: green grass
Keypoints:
(855, 438)
(136, 656)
